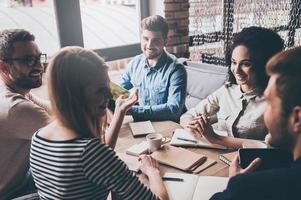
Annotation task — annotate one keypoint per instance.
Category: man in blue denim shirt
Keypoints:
(159, 78)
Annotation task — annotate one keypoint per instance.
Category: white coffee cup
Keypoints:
(254, 144)
(154, 141)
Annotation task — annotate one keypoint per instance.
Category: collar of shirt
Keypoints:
(161, 62)
(248, 95)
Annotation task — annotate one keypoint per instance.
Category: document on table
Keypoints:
(195, 187)
(141, 128)
(183, 138)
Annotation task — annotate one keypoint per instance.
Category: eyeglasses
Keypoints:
(31, 61)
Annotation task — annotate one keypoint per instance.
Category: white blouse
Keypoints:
(239, 114)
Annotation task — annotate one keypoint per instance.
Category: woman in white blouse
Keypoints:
(239, 105)
(67, 158)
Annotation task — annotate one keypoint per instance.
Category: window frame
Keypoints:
(69, 26)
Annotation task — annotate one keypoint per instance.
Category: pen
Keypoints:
(187, 140)
(172, 179)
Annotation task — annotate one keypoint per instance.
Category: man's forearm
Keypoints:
(156, 112)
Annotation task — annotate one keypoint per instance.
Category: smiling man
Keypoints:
(21, 114)
(159, 78)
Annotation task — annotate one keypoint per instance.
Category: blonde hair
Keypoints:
(68, 74)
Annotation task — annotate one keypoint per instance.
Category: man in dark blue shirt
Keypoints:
(159, 78)
(283, 119)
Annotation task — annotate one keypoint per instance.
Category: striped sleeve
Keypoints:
(102, 167)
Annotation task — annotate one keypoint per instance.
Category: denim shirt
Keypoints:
(239, 114)
(162, 88)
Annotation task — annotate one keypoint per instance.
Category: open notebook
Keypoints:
(184, 139)
(194, 187)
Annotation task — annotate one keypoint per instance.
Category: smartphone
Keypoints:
(270, 158)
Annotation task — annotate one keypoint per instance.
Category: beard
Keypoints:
(284, 139)
(155, 53)
(28, 83)
(152, 55)
(25, 81)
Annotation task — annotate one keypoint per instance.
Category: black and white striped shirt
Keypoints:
(82, 169)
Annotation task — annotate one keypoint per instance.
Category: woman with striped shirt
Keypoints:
(67, 159)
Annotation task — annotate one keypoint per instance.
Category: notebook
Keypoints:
(184, 139)
(131, 161)
(182, 159)
(117, 91)
(137, 149)
(140, 129)
(227, 157)
(194, 187)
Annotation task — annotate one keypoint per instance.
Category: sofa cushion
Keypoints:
(202, 80)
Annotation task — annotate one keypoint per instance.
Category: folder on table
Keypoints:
(182, 159)
(141, 128)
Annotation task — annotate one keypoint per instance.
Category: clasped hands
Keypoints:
(200, 126)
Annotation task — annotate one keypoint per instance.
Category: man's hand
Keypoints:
(235, 168)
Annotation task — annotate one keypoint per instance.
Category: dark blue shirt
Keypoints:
(275, 184)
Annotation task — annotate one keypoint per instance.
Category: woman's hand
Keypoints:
(124, 104)
(193, 127)
(149, 165)
(201, 127)
(235, 168)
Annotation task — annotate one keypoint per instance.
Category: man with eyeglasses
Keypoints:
(21, 113)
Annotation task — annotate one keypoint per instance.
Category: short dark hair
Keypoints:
(155, 23)
(287, 65)
(262, 44)
(8, 37)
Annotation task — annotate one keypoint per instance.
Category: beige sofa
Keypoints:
(202, 80)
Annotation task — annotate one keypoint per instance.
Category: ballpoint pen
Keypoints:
(172, 179)
(187, 140)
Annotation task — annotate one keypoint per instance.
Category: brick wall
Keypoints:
(177, 16)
